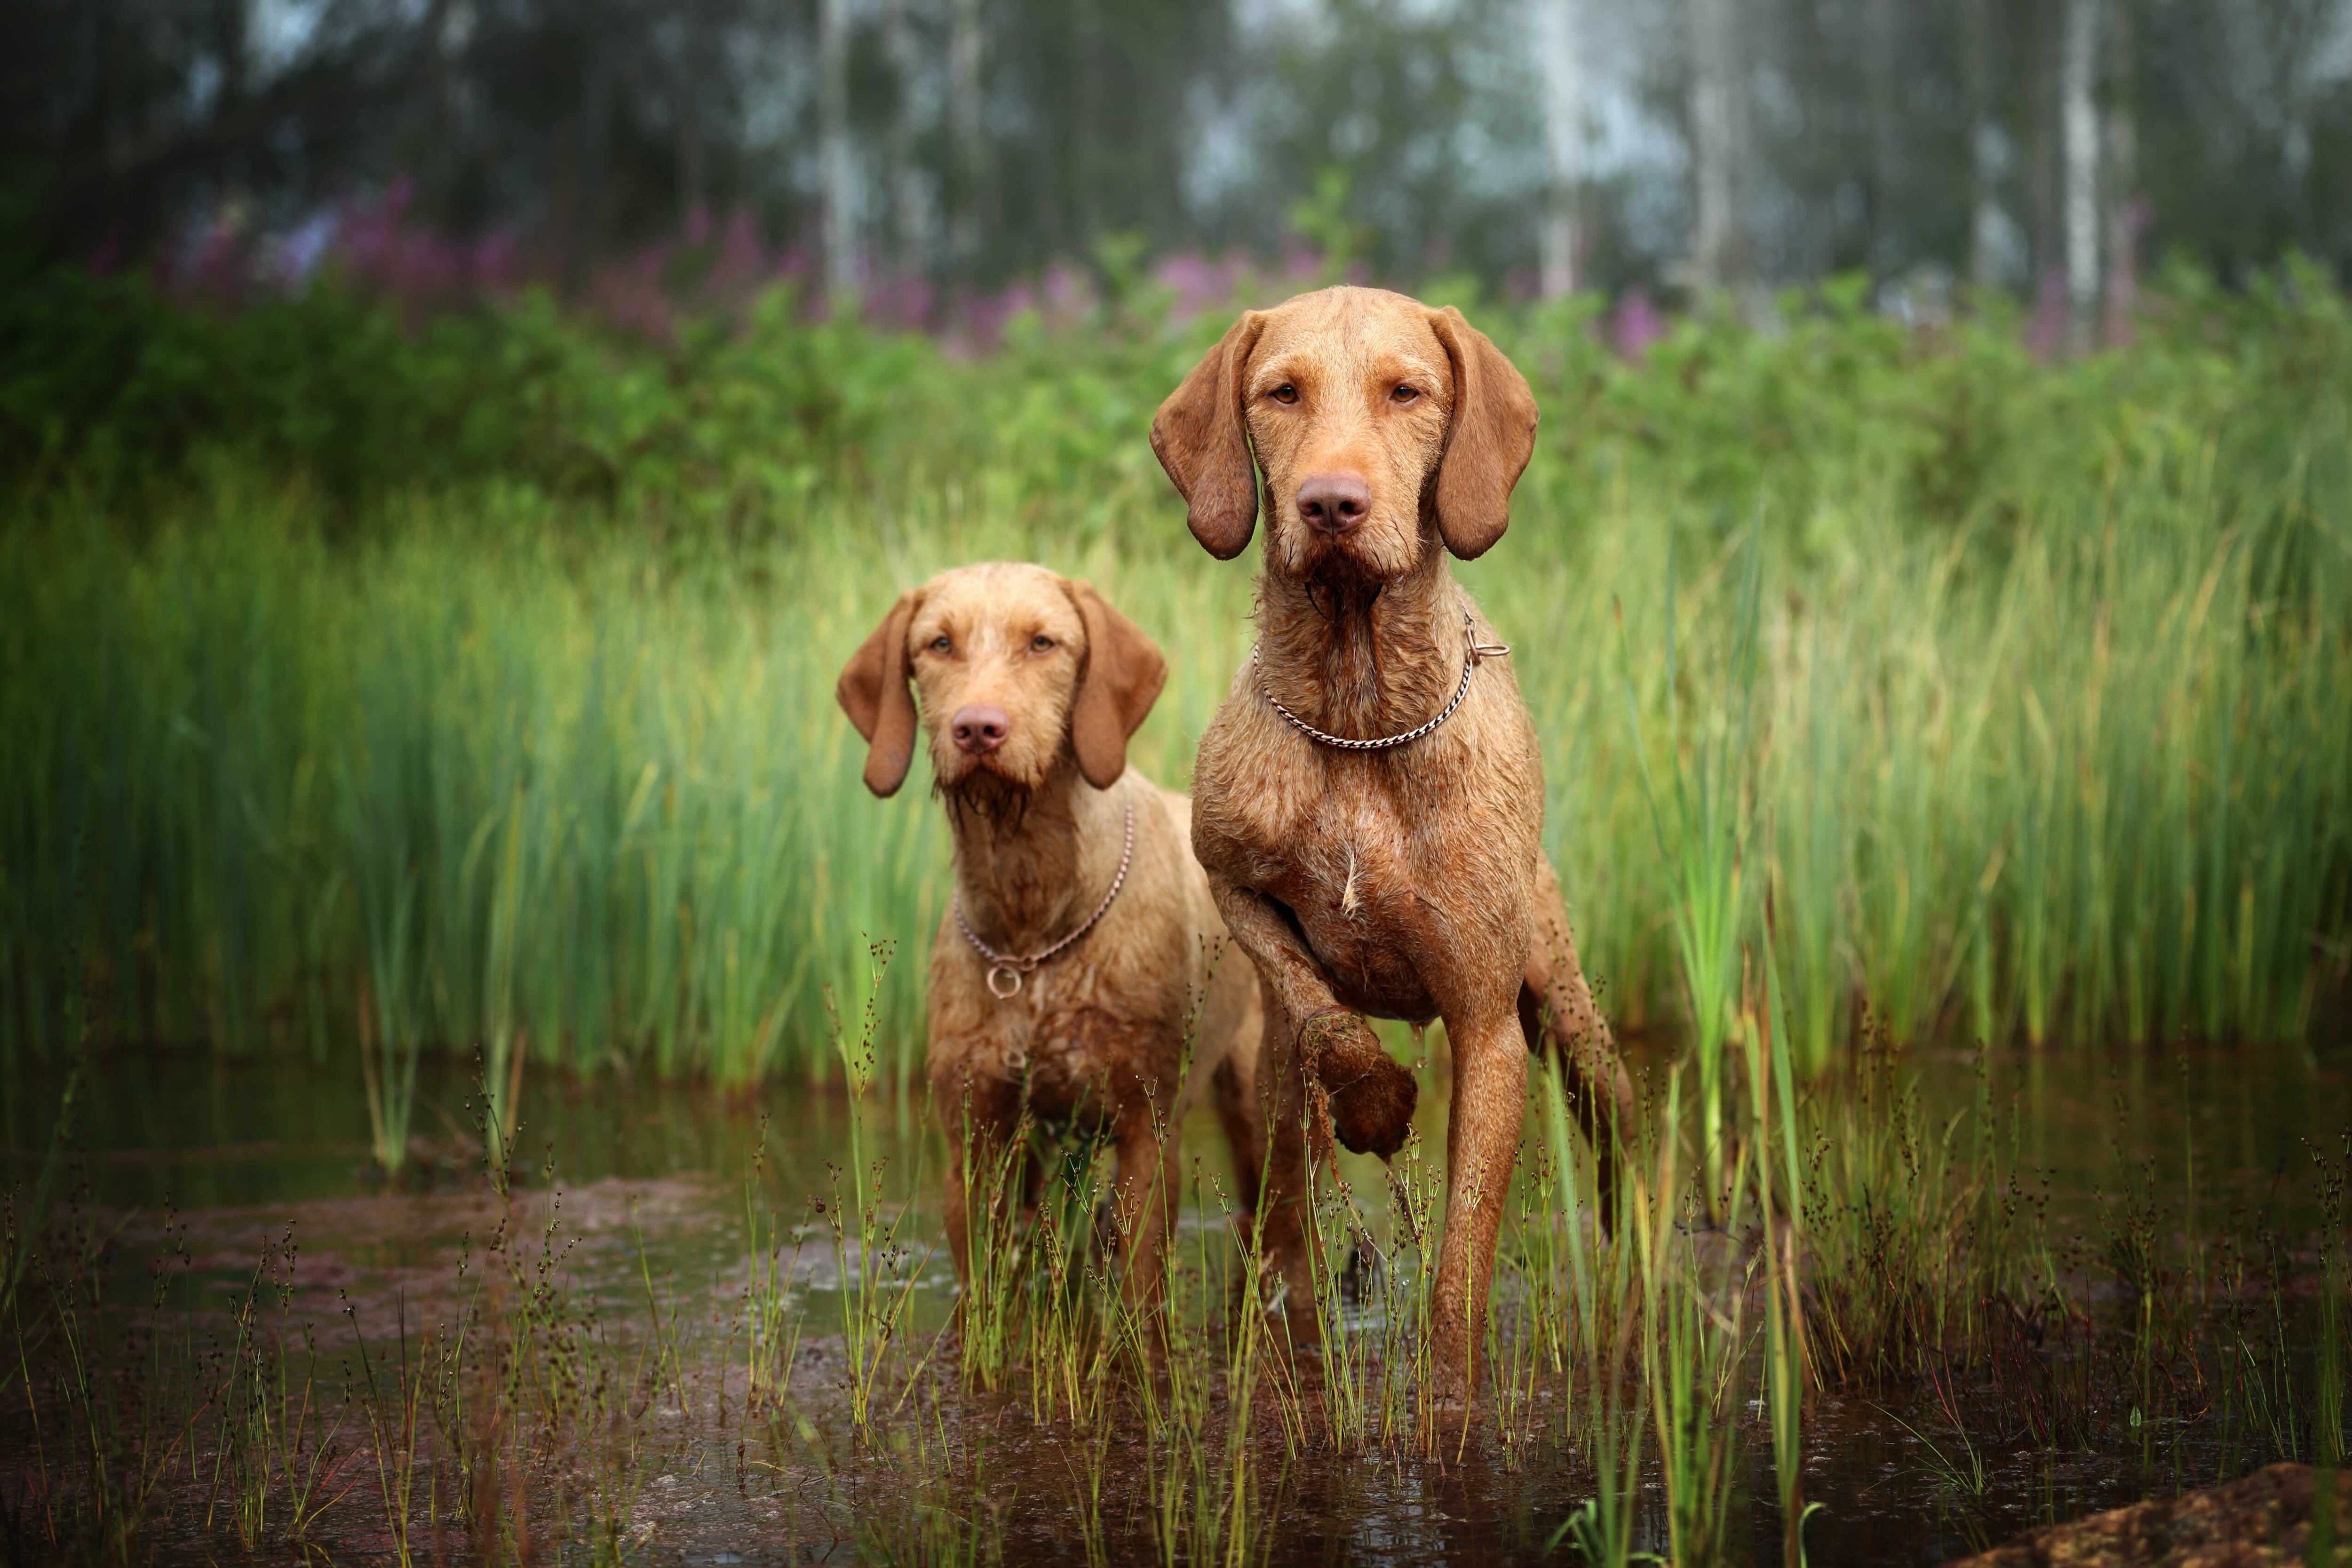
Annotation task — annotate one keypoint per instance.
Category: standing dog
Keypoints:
(1082, 943)
(1370, 800)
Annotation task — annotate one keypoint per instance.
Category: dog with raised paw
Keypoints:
(1368, 802)
(1082, 953)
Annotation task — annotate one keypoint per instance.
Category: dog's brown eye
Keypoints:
(1286, 393)
(1041, 643)
(940, 645)
(1406, 394)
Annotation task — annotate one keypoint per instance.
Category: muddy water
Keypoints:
(651, 1180)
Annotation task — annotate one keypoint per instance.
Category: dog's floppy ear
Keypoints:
(1492, 435)
(872, 693)
(1122, 679)
(1199, 439)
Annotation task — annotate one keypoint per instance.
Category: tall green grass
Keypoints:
(2046, 736)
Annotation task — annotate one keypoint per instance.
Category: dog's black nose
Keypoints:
(1334, 504)
(979, 730)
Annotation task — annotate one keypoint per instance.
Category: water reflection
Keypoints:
(207, 1132)
(652, 1179)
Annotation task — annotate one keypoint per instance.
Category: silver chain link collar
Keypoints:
(1013, 968)
(1479, 652)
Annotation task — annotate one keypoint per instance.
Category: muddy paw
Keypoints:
(1371, 1093)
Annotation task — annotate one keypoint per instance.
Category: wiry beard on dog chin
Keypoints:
(1340, 581)
(1328, 568)
(989, 797)
(1342, 595)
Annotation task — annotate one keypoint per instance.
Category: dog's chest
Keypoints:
(1077, 1053)
(1353, 870)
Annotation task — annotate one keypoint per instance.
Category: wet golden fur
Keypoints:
(1409, 883)
(1097, 1036)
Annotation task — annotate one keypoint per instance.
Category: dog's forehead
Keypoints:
(996, 595)
(1350, 329)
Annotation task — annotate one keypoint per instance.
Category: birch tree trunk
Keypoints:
(1882, 60)
(1985, 221)
(910, 202)
(586, 227)
(1719, 256)
(693, 183)
(1079, 164)
(229, 38)
(2079, 140)
(966, 125)
(836, 156)
(692, 74)
(1557, 37)
(2122, 154)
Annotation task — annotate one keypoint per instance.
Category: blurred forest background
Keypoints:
(925, 151)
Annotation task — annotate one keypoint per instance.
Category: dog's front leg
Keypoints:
(1293, 990)
(1490, 1081)
(1312, 1042)
(1145, 1193)
(987, 1175)
(1371, 1094)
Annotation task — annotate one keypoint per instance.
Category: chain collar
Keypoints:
(1479, 652)
(1012, 968)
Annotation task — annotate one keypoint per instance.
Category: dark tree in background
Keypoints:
(2030, 145)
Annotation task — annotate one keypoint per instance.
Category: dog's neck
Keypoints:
(1362, 659)
(1028, 874)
